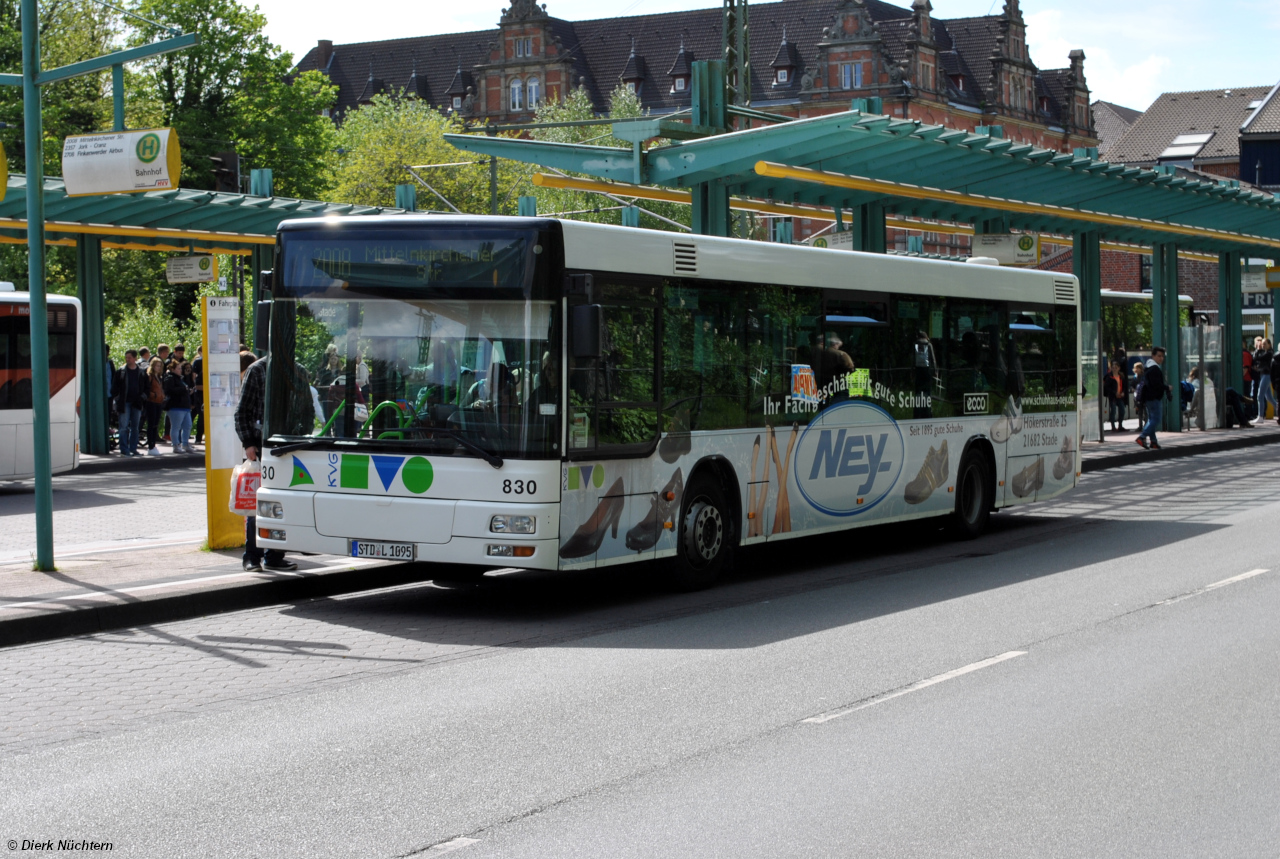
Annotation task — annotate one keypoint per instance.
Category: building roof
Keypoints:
(1111, 122)
(1215, 111)
(600, 50)
(1266, 118)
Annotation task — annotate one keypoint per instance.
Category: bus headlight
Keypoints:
(270, 510)
(512, 524)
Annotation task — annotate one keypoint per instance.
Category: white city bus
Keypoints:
(16, 449)
(558, 395)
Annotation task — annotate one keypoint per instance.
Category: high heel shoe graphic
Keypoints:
(587, 539)
(645, 534)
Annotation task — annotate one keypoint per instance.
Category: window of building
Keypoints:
(851, 76)
(783, 76)
(678, 85)
(535, 92)
(457, 102)
(524, 47)
(517, 94)
(631, 86)
(958, 82)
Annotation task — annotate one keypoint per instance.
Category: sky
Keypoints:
(1133, 51)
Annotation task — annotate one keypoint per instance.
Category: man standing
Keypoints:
(129, 387)
(253, 399)
(1153, 393)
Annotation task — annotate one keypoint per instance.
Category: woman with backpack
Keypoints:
(177, 403)
(154, 404)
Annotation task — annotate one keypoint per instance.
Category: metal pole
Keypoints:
(32, 137)
(493, 185)
(117, 95)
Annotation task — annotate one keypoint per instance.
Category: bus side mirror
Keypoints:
(261, 326)
(587, 321)
(265, 278)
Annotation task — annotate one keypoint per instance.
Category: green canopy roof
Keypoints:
(173, 219)
(933, 172)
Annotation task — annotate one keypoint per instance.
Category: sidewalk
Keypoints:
(1118, 448)
(138, 581)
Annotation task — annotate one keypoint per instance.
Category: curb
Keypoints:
(116, 462)
(142, 611)
(1122, 459)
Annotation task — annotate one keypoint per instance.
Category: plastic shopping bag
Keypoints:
(245, 480)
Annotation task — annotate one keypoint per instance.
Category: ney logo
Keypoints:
(849, 458)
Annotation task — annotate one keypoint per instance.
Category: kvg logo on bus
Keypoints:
(849, 458)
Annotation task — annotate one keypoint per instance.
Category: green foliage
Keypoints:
(150, 325)
(378, 140)
(584, 205)
(281, 125)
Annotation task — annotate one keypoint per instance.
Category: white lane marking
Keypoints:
(92, 549)
(915, 687)
(450, 846)
(1204, 590)
(102, 595)
(1234, 579)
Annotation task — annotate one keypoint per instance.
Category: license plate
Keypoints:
(382, 551)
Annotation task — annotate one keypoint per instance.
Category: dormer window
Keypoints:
(957, 81)
(785, 62)
(634, 74)
(631, 86)
(457, 102)
(680, 70)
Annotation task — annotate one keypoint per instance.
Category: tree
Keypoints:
(584, 205)
(378, 140)
(283, 125)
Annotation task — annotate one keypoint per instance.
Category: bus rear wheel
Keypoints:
(975, 495)
(706, 537)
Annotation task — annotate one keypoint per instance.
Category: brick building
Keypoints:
(808, 57)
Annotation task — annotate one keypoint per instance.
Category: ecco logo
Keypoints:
(848, 459)
(975, 404)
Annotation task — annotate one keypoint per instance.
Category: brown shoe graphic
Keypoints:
(1029, 479)
(932, 475)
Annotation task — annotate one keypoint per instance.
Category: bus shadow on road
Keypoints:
(916, 566)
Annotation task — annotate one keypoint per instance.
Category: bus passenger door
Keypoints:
(609, 511)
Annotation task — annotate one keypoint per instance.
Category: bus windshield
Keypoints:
(438, 339)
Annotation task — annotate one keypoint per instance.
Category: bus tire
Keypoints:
(706, 536)
(975, 496)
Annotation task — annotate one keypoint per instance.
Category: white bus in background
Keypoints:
(16, 447)
(560, 395)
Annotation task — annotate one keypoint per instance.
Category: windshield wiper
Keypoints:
(491, 458)
(282, 449)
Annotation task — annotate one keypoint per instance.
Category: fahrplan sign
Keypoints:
(121, 162)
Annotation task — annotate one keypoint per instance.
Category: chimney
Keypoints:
(325, 48)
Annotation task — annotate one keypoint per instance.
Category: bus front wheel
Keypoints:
(975, 494)
(706, 536)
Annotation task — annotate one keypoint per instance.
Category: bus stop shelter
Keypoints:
(175, 220)
(859, 167)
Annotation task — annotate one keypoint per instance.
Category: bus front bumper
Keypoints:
(439, 531)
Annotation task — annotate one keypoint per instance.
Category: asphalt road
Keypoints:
(1096, 677)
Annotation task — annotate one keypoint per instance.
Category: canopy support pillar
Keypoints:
(1229, 315)
(710, 209)
(93, 388)
(1086, 264)
(868, 226)
(1164, 324)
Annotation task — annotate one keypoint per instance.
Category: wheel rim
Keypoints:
(704, 532)
(971, 495)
